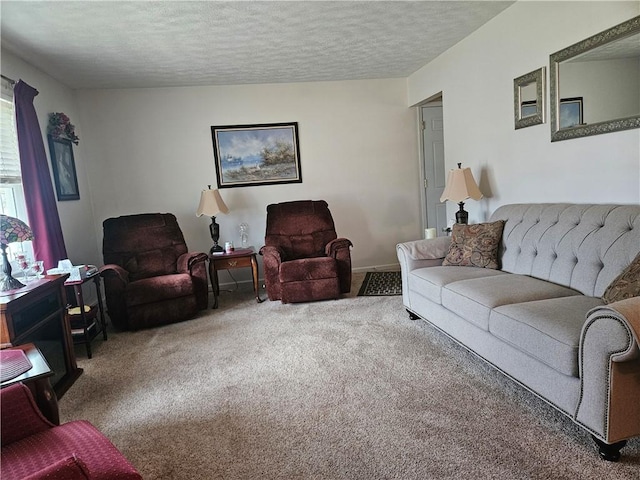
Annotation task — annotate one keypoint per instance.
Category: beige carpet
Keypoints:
(347, 389)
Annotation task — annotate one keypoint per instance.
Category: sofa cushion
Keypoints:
(548, 330)
(428, 282)
(156, 289)
(473, 299)
(625, 285)
(475, 245)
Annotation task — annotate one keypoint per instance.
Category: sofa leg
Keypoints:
(609, 452)
(412, 316)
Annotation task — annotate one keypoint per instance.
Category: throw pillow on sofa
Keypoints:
(625, 285)
(475, 245)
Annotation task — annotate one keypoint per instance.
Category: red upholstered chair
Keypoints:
(150, 278)
(34, 448)
(303, 258)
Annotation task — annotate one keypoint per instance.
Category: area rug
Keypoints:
(381, 284)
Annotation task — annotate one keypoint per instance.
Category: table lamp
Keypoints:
(460, 186)
(11, 230)
(211, 204)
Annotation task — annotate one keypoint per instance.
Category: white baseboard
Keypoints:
(247, 285)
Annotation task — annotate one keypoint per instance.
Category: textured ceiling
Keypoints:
(98, 44)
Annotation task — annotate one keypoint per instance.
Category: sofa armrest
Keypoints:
(609, 361)
(423, 253)
(19, 414)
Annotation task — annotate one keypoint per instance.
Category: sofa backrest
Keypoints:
(584, 247)
(146, 245)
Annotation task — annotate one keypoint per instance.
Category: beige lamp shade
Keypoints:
(211, 204)
(460, 186)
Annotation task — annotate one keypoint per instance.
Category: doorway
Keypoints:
(434, 212)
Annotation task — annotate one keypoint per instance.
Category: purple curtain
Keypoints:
(36, 180)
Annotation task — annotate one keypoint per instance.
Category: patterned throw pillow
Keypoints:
(625, 285)
(475, 245)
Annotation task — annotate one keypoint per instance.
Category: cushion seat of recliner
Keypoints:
(548, 330)
(156, 289)
(474, 299)
(315, 268)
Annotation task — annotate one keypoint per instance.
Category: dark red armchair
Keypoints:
(34, 448)
(303, 258)
(150, 278)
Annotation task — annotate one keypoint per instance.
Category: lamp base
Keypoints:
(461, 215)
(216, 249)
(8, 282)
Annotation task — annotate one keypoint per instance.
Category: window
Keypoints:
(11, 192)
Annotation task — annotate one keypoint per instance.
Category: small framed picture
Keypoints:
(571, 112)
(251, 155)
(64, 168)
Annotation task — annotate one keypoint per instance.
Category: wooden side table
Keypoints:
(36, 314)
(90, 324)
(37, 380)
(242, 258)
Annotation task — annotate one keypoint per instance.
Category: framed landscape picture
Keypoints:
(250, 155)
(64, 168)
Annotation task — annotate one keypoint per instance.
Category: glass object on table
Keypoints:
(38, 268)
(24, 264)
(244, 235)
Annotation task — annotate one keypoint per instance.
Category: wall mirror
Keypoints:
(528, 98)
(594, 84)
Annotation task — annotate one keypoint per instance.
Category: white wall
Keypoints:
(476, 78)
(76, 216)
(150, 150)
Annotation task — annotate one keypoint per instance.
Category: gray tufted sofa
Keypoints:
(540, 319)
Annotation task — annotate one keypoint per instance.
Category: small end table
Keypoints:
(92, 322)
(241, 258)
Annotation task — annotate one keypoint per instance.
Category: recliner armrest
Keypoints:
(188, 260)
(19, 414)
(115, 272)
(333, 248)
(274, 253)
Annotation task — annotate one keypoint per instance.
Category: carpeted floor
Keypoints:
(344, 389)
(381, 283)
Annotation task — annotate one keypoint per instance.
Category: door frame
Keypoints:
(435, 101)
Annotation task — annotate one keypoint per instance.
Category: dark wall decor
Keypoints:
(64, 168)
(250, 155)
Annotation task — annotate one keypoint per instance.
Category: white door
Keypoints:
(435, 175)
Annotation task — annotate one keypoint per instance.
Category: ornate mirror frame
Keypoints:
(536, 77)
(625, 29)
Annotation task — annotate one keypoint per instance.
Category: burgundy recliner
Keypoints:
(150, 278)
(303, 258)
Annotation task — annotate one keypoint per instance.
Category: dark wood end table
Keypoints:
(241, 258)
(92, 322)
(37, 380)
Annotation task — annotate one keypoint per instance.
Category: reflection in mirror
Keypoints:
(595, 84)
(528, 98)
